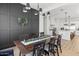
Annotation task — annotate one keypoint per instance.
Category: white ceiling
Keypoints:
(46, 6)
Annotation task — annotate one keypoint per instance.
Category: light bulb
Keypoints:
(24, 10)
(36, 13)
(28, 8)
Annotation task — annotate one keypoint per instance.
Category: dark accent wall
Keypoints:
(10, 30)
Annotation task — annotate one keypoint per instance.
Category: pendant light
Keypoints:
(43, 14)
(24, 10)
(39, 10)
(66, 24)
(65, 16)
(48, 13)
(27, 6)
(36, 13)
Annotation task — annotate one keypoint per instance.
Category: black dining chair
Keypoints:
(59, 42)
(39, 49)
(53, 48)
(41, 34)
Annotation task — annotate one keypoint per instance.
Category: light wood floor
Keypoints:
(69, 48)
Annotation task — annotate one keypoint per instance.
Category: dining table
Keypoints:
(35, 40)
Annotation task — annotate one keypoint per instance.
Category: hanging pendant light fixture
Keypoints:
(24, 10)
(43, 14)
(28, 7)
(39, 10)
(36, 13)
(65, 16)
(48, 13)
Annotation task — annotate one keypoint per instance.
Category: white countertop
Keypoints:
(65, 34)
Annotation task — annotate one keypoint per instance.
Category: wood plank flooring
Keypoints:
(71, 48)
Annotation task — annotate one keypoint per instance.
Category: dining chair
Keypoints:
(34, 35)
(52, 47)
(41, 34)
(39, 49)
(59, 42)
(23, 49)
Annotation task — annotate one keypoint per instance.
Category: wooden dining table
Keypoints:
(35, 40)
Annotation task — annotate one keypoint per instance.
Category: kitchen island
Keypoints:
(67, 35)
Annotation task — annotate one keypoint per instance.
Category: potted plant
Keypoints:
(23, 22)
